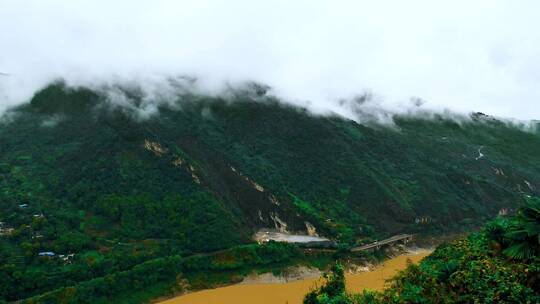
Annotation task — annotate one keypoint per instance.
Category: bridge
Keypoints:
(396, 238)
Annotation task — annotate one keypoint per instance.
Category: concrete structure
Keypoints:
(264, 236)
(404, 238)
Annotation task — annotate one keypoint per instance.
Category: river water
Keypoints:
(293, 292)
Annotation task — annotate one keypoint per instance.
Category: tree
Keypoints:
(333, 291)
(524, 233)
(72, 242)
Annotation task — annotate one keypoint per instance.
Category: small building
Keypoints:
(7, 231)
(37, 236)
(47, 253)
(23, 205)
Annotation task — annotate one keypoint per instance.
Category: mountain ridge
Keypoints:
(204, 173)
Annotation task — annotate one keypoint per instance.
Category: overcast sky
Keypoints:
(462, 55)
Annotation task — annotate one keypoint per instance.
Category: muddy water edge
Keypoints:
(266, 290)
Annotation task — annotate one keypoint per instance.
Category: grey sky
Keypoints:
(462, 55)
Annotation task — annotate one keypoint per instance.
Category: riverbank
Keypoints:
(266, 290)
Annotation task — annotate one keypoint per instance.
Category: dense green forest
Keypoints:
(93, 191)
(500, 264)
(174, 274)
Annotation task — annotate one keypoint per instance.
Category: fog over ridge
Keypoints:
(461, 56)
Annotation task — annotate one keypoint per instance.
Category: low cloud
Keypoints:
(462, 56)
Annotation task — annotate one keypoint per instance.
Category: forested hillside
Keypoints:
(89, 187)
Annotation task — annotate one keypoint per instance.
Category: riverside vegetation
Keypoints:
(97, 197)
(500, 264)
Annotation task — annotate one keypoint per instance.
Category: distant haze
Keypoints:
(461, 55)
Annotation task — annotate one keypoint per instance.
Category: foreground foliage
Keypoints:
(497, 265)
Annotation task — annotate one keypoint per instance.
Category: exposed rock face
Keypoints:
(155, 147)
(311, 230)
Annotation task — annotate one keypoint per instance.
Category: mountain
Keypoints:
(116, 187)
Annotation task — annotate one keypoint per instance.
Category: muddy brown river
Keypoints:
(293, 292)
